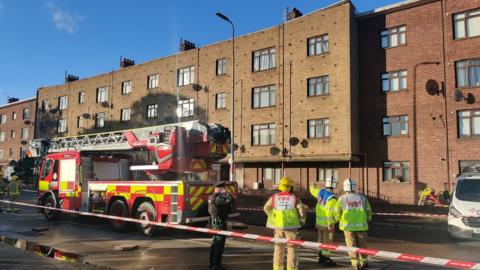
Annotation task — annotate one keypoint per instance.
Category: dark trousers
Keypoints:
(218, 242)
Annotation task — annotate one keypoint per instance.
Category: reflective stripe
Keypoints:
(43, 185)
(278, 267)
(285, 213)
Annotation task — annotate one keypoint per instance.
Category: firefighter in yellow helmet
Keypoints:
(14, 189)
(286, 214)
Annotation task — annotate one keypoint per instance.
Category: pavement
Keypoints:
(91, 241)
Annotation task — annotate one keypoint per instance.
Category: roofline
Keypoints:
(393, 8)
(335, 4)
(18, 102)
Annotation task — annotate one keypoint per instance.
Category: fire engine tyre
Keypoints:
(119, 209)
(49, 214)
(147, 211)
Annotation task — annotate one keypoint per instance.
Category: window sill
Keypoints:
(263, 146)
(152, 88)
(264, 70)
(396, 136)
(319, 96)
(467, 88)
(319, 138)
(468, 138)
(221, 75)
(390, 182)
(315, 55)
(126, 94)
(395, 92)
(465, 38)
(398, 46)
(220, 109)
(260, 108)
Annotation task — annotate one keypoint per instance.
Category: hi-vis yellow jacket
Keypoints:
(326, 201)
(353, 211)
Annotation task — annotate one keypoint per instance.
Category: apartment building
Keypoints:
(419, 109)
(16, 129)
(296, 101)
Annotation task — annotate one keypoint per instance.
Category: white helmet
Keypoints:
(349, 185)
(331, 182)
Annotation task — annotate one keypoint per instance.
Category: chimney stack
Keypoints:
(12, 99)
(295, 13)
(186, 45)
(71, 78)
(125, 62)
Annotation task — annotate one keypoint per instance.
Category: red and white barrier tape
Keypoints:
(377, 214)
(300, 243)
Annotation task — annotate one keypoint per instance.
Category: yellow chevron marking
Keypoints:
(199, 192)
(197, 204)
(209, 190)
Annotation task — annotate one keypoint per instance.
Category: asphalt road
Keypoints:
(96, 243)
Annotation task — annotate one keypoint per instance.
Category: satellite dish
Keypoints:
(458, 95)
(105, 104)
(243, 149)
(274, 151)
(196, 87)
(206, 88)
(27, 122)
(432, 87)
(304, 143)
(293, 141)
(470, 98)
(235, 147)
(23, 142)
(86, 115)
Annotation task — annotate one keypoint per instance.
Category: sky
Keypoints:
(41, 39)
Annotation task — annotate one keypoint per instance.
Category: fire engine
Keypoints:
(160, 173)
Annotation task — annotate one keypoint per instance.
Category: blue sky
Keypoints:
(41, 39)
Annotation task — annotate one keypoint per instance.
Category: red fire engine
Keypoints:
(160, 173)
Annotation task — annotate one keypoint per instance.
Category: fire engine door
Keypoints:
(67, 175)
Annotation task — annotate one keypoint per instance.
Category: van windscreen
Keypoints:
(468, 190)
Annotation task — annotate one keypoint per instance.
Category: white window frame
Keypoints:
(2, 136)
(12, 134)
(24, 133)
(221, 65)
(263, 59)
(394, 81)
(221, 100)
(394, 122)
(125, 115)
(152, 111)
(152, 81)
(318, 86)
(100, 119)
(1, 154)
(319, 128)
(186, 107)
(45, 105)
(273, 174)
(102, 94)
(467, 73)
(325, 171)
(399, 170)
(263, 131)
(318, 45)
(186, 76)
(62, 125)
(63, 103)
(466, 24)
(394, 37)
(14, 115)
(126, 87)
(80, 121)
(264, 96)
(25, 114)
(468, 124)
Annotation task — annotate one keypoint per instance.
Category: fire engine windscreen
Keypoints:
(218, 134)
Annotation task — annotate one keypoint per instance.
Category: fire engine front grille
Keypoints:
(472, 221)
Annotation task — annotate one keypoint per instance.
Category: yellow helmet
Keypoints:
(286, 184)
(14, 178)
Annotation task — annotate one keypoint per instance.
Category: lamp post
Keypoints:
(231, 161)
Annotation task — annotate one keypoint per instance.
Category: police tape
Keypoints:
(401, 257)
(408, 214)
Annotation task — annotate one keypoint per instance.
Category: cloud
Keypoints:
(64, 20)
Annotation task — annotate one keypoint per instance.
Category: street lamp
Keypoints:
(232, 133)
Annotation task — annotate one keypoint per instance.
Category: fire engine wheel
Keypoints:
(50, 214)
(119, 209)
(146, 211)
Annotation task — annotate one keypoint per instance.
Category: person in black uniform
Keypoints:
(220, 205)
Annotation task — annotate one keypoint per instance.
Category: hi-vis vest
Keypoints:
(353, 211)
(14, 188)
(324, 207)
(284, 215)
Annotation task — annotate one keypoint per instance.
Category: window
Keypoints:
(185, 76)
(467, 24)
(80, 122)
(318, 86)
(125, 115)
(100, 119)
(394, 81)
(127, 87)
(273, 174)
(10, 152)
(3, 119)
(81, 97)
(221, 66)
(62, 125)
(1, 154)
(468, 73)
(395, 171)
(23, 152)
(325, 172)
(45, 105)
(319, 128)
(263, 134)
(186, 107)
(25, 114)
(318, 45)
(63, 102)
(469, 123)
(24, 134)
(465, 164)
(12, 134)
(394, 37)
(102, 94)
(152, 110)
(2, 136)
(14, 115)
(264, 59)
(47, 166)
(263, 96)
(152, 81)
(395, 125)
(220, 100)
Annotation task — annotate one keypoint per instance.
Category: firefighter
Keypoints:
(220, 205)
(325, 222)
(285, 212)
(353, 212)
(14, 189)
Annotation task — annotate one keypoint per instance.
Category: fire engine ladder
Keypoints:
(174, 214)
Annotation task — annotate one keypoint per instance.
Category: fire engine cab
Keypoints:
(160, 173)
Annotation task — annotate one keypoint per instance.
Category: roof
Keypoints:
(393, 8)
(17, 102)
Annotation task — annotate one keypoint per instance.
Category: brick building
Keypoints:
(16, 128)
(370, 95)
(418, 86)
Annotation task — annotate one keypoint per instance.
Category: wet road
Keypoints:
(96, 242)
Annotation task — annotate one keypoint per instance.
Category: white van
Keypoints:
(464, 214)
